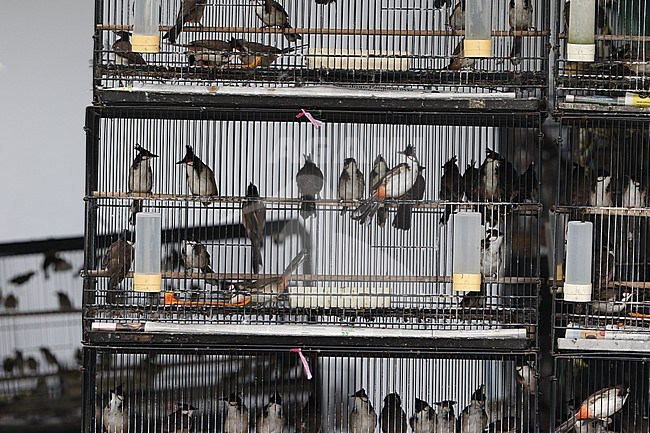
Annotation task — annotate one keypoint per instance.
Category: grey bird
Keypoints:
(236, 417)
(191, 11)
(253, 218)
(49, 357)
(492, 251)
(452, 187)
(199, 177)
(600, 405)
(458, 59)
(457, 17)
(497, 178)
(393, 417)
(379, 170)
(271, 419)
(445, 417)
(64, 302)
(273, 14)
(32, 364)
(471, 182)
(11, 302)
(253, 54)
(310, 182)
(520, 18)
(309, 418)
(424, 418)
(473, 418)
(196, 256)
(351, 184)
(182, 419)
(404, 214)
(52, 260)
(114, 416)
(363, 418)
(140, 178)
(123, 50)
(21, 279)
(208, 53)
(117, 262)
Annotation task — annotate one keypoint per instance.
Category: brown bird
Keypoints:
(253, 54)
(123, 50)
(520, 17)
(310, 182)
(458, 60)
(404, 213)
(64, 302)
(117, 262)
(21, 279)
(253, 218)
(49, 357)
(11, 303)
(393, 417)
(52, 260)
(457, 17)
(208, 52)
(273, 14)
(471, 179)
(309, 418)
(451, 186)
(181, 420)
(191, 11)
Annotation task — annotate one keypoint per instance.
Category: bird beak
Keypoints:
(182, 161)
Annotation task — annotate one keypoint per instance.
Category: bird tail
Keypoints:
(136, 206)
(292, 49)
(291, 37)
(174, 32)
(208, 270)
(566, 426)
(308, 206)
(402, 219)
(515, 52)
(381, 215)
(257, 256)
(366, 211)
(293, 266)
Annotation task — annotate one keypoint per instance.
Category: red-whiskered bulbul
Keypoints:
(310, 182)
(191, 11)
(271, 420)
(253, 218)
(200, 177)
(117, 262)
(123, 50)
(363, 418)
(351, 182)
(273, 14)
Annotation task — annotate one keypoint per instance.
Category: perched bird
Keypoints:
(458, 59)
(445, 418)
(181, 420)
(21, 279)
(633, 194)
(273, 14)
(309, 418)
(324, 2)
(123, 50)
(19, 362)
(451, 186)
(208, 53)
(32, 364)
(196, 256)
(140, 173)
(52, 260)
(473, 299)
(600, 405)
(520, 18)
(457, 17)
(473, 418)
(191, 11)
(236, 417)
(200, 177)
(115, 417)
(492, 251)
(11, 302)
(363, 418)
(271, 420)
(379, 170)
(424, 418)
(600, 194)
(253, 54)
(471, 181)
(526, 376)
(117, 262)
(610, 300)
(528, 183)
(497, 178)
(8, 365)
(266, 290)
(393, 417)
(49, 357)
(253, 218)
(395, 184)
(310, 182)
(404, 213)
(351, 183)
(64, 302)
(593, 426)
(579, 189)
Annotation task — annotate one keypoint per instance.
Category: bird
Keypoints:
(528, 185)
(196, 256)
(8, 365)
(634, 196)
(458, 59)
(266, 290)
(473, 418)
(11, 302)
(593, 426)
(19, 362)
(273, 14)
(181, 420)
(199, 177)
(471, 181)
(600, 405)
(520, 18)
(271, 419)
(253, 54)
(579, 188)
(445, 418)
(497, 178)
(503, 425)
(64, 302)
(191, 11)
(351, 184)
(208, 52)
(363, 418)
(404, 213)
(324, 2)
(473, 299)
(424, 418)
(253, 218)
(309, 418)
(310, 182)
(452, 187)
(52, 260)
(123, 50)
(600, 194)
(457, 17)
(236, 417)
(172, 261)
(117, 262)
(21, 279)
(492, 251)
(610, 300)
(49, 357)
(393, 417)
(32, 364)
(397, 182)
(379, 170)
(114, 416)
(140, 178)
(440, 3)
(526, 376)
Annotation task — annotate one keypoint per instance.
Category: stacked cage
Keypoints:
(311, 177)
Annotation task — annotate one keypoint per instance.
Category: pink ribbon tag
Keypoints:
(305, 364)
(317, 123)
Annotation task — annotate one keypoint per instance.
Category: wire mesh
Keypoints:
(601, 393)
(496, 390)
(604, 177)
(353, 274)
(408, 44)
(621, 60)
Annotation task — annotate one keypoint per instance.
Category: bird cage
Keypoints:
(600, 392)
(233, 45)
(619, 52)
(603, 181)
(40, 310)
(162, 389)
(289, 233)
